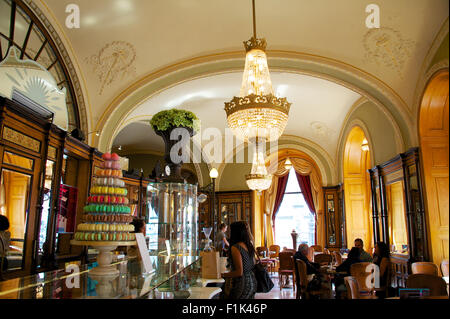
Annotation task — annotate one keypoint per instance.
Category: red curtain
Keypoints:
(305, 186)
(281, 189)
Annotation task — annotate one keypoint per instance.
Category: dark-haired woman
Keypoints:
(381, 258)
(240, 282)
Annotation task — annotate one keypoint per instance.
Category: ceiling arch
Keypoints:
(331, 70)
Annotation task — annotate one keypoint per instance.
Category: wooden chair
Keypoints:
(317, 248)
(353, 290)
(260, 251)
(301, 278)
(323, 259)
(274, 250)
(436, 284)
(426, 268)
(352, 287)
(337, 258)
(444, 268)
(358, 271)
(286, 268)
(301, 281)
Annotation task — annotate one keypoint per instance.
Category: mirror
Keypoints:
(14, 204)
(46, 204)
(331, 226)
(415, 209)
(395, 200)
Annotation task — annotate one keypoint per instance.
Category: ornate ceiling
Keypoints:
(120, 42)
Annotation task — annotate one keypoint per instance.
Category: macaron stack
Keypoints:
(107, 214)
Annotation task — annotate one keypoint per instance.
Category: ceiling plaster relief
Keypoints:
(115, 61)
(322, 131)
(388, 48)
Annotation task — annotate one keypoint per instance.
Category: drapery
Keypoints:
(302, 167)
(305, 187)
(281, 189)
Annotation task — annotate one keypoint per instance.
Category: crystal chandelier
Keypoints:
(258, 179)
(257, 115)
(257, 112)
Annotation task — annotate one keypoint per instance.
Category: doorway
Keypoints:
(433, 135)
(357, 188)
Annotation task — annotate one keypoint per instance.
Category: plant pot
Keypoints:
(175, 168)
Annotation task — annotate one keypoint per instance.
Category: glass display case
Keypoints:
(171, 219)
(171, 278)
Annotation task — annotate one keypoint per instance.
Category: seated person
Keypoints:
(363, 255)
(302, 254)
(344, 268)
(382, 260)
(5, 237)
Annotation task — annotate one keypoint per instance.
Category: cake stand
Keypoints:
(104, 257)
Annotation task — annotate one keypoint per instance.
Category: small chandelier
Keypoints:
(288, 164)
(258, 179)
(257, 113)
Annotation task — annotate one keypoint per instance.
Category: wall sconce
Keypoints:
(365, 145)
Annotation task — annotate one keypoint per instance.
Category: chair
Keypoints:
(260, 251)
(353, 290)
(317, 248)
(337, 257)
(352, 287)
(427, 268)
(444, 268)
(358, 271)
(301, 281)
(274, 250)
(323, 259)
(286, 268)
(301, 278)
(436, 284)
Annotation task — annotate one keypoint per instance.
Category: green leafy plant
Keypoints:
(164, 120)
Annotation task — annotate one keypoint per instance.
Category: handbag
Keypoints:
(263, 281)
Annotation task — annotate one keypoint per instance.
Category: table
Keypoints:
(203, 292)
(204, 281)
(270, 262)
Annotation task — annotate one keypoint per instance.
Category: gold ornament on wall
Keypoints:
(115, 61)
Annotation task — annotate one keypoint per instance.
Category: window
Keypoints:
(294, 214)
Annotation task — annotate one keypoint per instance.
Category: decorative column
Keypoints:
(375, 222)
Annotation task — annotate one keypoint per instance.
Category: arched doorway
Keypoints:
(357, 188)
(433, 136)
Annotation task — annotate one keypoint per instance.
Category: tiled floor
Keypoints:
(276, 293)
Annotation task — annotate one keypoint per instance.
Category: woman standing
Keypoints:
(240, 282)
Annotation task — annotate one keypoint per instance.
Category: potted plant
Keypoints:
(163, 123)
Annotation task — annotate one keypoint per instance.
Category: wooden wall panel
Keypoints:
(433, 128)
